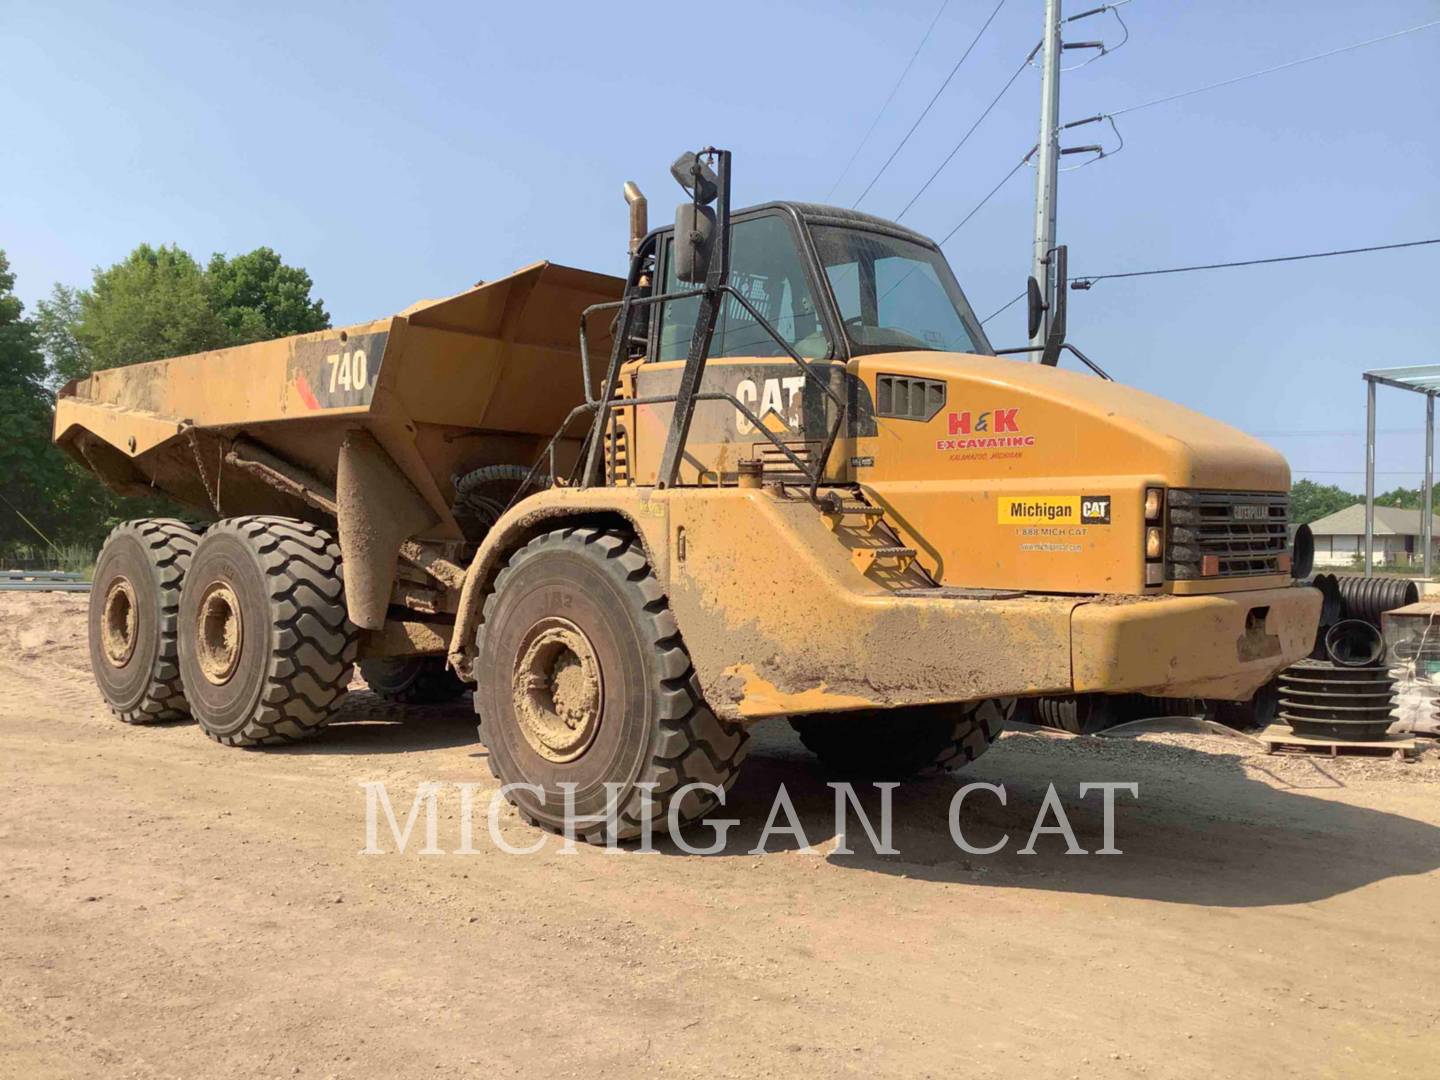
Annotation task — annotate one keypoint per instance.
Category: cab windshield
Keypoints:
(894, 294)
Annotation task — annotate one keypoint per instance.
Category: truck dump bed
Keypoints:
(487, 375)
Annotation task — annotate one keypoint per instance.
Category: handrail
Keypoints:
(606, 402)
(1064, 345)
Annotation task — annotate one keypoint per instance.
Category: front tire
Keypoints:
(582, 678)
(133, 619)
(266, 650)
(896, 744)
(412, 680)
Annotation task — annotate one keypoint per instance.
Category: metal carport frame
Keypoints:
(1424, 379)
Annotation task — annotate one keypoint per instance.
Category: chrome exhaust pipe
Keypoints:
(639, 215)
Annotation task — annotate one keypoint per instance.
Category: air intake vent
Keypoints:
(908, 398)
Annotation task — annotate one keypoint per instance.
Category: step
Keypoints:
(864, 558)
(892, 552)
(848, 506)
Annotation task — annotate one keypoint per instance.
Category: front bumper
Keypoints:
(1223, 647)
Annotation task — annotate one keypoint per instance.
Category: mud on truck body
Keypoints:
(780, 472)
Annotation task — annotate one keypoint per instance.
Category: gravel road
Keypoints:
(171, 907)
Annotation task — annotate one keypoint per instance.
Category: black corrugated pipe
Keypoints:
(1368, 598)
(1331, 605)
(1354, 643)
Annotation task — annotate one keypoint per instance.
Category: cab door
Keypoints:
(768, 268)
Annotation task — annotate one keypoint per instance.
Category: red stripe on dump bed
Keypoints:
(307, 395)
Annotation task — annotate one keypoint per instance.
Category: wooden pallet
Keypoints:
(1279, 737)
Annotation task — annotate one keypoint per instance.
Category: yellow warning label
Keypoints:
(1038, 509)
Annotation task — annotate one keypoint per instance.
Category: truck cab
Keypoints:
(998, 472)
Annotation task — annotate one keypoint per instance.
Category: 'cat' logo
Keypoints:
(997, 421)
(776, 403)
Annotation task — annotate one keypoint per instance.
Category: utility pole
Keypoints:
(1047, 168)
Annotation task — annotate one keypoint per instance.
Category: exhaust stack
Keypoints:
(639, 215)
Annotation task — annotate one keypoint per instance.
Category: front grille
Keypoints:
(1229, 533)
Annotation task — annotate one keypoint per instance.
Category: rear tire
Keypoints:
(134, 614)
(412, 680)
(897, 744)
(582, 678)
(266, 651)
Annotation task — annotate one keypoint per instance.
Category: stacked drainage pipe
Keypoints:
(1347, 697)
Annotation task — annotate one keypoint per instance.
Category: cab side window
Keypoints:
(765, 268)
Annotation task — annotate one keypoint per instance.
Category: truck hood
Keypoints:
(1077, 421)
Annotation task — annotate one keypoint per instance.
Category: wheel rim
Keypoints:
(557, 690)
(219, 633)
(119, 622)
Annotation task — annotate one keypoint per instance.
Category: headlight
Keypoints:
(1154, 543)
(1154, 503)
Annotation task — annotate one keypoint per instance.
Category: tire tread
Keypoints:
(313, 644)
(690, 744)
(169, 544)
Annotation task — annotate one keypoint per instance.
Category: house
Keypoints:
(1340, 537)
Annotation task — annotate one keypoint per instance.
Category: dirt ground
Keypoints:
(171, 907)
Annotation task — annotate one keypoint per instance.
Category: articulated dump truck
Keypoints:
(778, 472)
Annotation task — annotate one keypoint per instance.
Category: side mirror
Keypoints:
(1037, 306)
(694, 241)
(697, 178)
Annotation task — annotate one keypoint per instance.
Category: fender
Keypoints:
(630, 507)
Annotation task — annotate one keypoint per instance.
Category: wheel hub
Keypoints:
(219, 633)
(557, 690)
(117, 629)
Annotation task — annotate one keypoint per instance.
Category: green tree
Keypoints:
(1310, 501)
(258, 297)
(1408, 498)
(31, 469)
(159, 302)
(154, 304)
(55, 321)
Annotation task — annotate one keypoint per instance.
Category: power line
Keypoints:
(1277, 67)
(1085, 281)
(976, 209)
(891, 97)
(926, 111)
(1007, 307)
(964, 138)
(1333, 434)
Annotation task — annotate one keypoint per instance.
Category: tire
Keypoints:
(1079, 714)
(481, 496)
(134, 615)
(266, 651)
(579, 612)
(412, 680)
(1262, 710)
(896, 744)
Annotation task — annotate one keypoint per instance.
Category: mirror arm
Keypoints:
(1055, 339)
(717, 277)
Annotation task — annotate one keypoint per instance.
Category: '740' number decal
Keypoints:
(338, 372)
(348, 370)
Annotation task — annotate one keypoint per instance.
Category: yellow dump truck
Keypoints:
(779, 472)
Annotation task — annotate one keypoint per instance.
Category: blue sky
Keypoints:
(400, 151)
